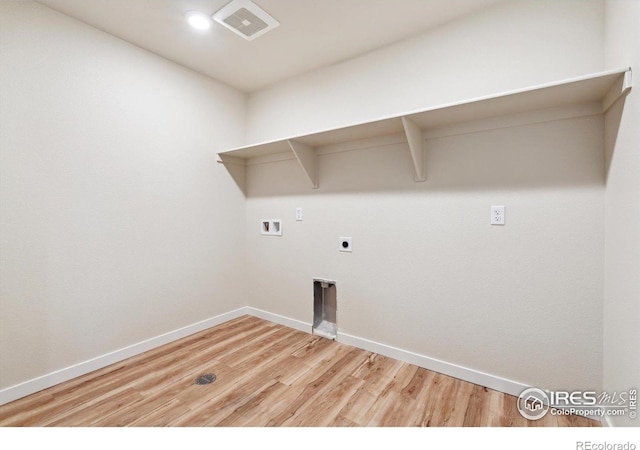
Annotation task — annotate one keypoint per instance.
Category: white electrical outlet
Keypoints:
(497, 215)
(299, 214)
(345, 244)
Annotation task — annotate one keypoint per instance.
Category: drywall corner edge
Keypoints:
(606, 422)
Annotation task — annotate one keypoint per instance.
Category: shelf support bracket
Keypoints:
(620, 89)
(306, 156)
(237, 168)
(416, 147)
(227, 159)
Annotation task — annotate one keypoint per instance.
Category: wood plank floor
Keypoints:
(267, 375)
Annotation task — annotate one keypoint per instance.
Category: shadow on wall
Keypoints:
(613, 118)
(558, 154)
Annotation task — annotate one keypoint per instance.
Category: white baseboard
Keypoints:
(59, 376)
(473, 376)
(464, 373)
(277, 318)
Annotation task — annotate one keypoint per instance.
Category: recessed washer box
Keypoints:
(271, 227)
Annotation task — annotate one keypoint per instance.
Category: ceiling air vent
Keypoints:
(246, 19)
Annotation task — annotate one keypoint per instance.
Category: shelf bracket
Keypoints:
(621, 88)
(306, 156)
(416, 147)
(227, 159)
(237, 168)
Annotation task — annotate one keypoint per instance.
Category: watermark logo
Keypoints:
(534, 403)
(589, 445)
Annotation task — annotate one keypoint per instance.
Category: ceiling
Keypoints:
(312, 33)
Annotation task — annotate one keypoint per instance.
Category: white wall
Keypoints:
(509, 46)
(428, 274)
(622, 214)
(117, 223)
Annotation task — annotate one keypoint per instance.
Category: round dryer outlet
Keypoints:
(345, 244)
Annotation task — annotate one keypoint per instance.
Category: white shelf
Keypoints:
(603, 87)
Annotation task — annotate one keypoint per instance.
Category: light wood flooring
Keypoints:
(267, 375)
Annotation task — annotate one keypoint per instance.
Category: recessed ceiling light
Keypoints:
(198, 20)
